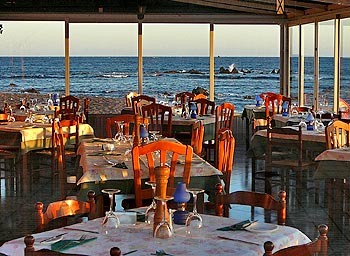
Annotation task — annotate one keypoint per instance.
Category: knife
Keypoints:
(129, 252)
(52, 238)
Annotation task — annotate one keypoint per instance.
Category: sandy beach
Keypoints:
(98, 105)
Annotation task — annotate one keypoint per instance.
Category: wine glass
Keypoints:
(111, 221)
(154, 134)
(164, 229)
(152, 207)
(194, 219)
(120, 131)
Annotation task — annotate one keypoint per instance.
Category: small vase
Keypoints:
(181, 196)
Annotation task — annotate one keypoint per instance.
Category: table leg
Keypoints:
(25, 175)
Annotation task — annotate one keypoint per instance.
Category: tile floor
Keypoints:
(17, 208)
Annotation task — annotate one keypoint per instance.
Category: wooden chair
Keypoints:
(184, 97)
(159, 118)
(337, 134)
(273, 104)
(318, 247)
(224, 116)
(84, 118)
(154, 154)
(199, 96)
(139, 101)
(205, 106)
(128, 98)
(69, 107)
(226, 147)
(197, 137)
(251, 198)
(112, 124)
(286, 154)
(61, 213)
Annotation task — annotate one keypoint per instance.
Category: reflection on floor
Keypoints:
(16, 208)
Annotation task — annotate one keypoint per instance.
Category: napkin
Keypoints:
(120, 165)
(67, 244)
(238, 226)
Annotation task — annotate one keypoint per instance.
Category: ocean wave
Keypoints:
(113, 76)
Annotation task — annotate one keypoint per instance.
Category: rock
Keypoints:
(12, 85)
(275, 71)
(171, 72)
(32, 90)
(193, 71)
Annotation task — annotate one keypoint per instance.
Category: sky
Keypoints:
(106, 39)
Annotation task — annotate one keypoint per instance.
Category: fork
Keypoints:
(82, 238)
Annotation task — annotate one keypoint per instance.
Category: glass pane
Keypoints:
(345, 67)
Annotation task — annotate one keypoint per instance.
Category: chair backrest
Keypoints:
(197, 137)
(128, 98)
(64, 208)
(226, 146)
(318, 247)
(273, 104)
(184, 97)
(337, 134)
(112, 124)
(288, 100)
(69, 107)
(251, 198)
(4, 117)
(224, 116)
(85, 115)
(205, 106)
(200, 96)
(160, 118)
(70, 132)
(139, 101)
(154, 154)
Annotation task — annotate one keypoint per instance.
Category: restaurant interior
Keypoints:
(173, 173)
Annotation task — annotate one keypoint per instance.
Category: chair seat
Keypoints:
(292, 164)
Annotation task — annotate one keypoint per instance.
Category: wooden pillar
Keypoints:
(336, 64)
(316, 67)
(211, 60)
(140, 69)
(301, 68)
(66, 54)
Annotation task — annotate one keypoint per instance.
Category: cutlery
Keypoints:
(130, 252)
(160, 253)
(83, 230)
(109, 161)
(52, 238)
(82, 238)
(237, 240)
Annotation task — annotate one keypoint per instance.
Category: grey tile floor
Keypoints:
(17, 208)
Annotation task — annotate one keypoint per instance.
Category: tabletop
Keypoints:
(333, 163)
(205, 241)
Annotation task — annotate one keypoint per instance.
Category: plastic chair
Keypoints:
(139, 101)
(161, 152)
(159, 118)
(197, 137)
(318, 247)
(224, 116)
(337, 134)
(251, 198)
(226, 152)
(205, 106)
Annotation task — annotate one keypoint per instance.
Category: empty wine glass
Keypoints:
(194, 219)
(154, 134)
(119, 136)
(152, 207)
(111, 221)
(164, 229)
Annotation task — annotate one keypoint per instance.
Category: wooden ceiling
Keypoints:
(174, 11)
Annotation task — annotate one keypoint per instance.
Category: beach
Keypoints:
(98, 104)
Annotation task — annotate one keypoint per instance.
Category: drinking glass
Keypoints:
(152, 207)
(194, 219)
(111, 221)
(164, 229)
(154, 134)
(119, 136)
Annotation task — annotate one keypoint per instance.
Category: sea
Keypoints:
(165, 76)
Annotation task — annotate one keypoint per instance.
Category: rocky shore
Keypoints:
(98, 105)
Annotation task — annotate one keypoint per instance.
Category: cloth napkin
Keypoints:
(67, 244)
(120, 165)
(238, 226)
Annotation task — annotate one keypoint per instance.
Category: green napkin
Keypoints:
(120, 165)
(239, 226)
(67, 244)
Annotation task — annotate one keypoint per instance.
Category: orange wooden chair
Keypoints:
(224, 116)
(226, 152)
(251, 198)
(161, 152)
(184, 97)
(318, 247)
(69, 107)
(112, 127)
(197, 137)
(159, 118)
(337, 134)
(200, 96)
(129, 96)
(138, 102)
(273, 104)
(205, 106)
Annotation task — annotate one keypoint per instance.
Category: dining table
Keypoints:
(100, 171)
(136, 238)
(32, 136)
